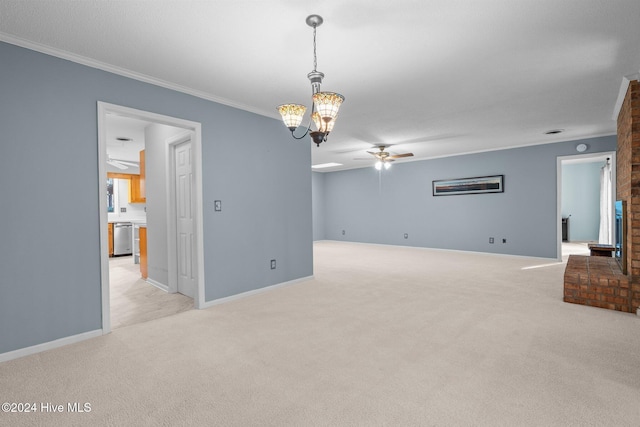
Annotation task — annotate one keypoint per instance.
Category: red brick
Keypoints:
(571, 286)
(615, 300)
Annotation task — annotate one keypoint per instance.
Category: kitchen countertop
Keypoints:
(132, 221)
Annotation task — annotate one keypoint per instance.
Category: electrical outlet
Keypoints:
(406, 235)
(273, 264)
(490, 239)
(504, 240)
(217, 205)
(123, 210)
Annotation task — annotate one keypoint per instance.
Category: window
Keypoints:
(111, 199)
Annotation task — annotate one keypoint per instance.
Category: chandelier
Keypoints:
(325, 106)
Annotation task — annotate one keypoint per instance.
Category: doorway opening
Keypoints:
(586, 188)
(162, 262)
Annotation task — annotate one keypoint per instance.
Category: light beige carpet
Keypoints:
(382, 336)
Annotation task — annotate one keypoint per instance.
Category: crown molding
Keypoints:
(623, 92)
(89, 62)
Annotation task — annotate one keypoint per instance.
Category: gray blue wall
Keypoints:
(50, 254)
(380, 207)
(318, 205)
(581, 200)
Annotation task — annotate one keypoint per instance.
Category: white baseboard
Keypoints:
(49, 345)
(208, 304)
(461, 251)
(158, 285)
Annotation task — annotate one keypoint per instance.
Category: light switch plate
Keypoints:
(217, 205)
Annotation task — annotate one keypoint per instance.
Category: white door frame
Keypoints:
(195, 130)
(560, 160)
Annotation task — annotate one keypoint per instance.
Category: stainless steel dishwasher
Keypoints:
(122, 240)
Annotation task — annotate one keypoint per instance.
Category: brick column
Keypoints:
(628, 182)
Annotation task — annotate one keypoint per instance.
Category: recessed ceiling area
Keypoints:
(435, 78)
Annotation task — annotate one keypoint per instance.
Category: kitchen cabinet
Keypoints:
(135, 195)
(110, 238)
(143, 250)
(137, 185)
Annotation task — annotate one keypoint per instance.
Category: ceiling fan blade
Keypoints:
(399, 156)
(117, 164)
(124, 162)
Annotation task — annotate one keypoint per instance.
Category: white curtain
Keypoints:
(606, 203)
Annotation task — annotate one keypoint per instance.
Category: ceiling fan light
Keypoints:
(387, 165)
(327, 104)
(292, 115)
(378, 165)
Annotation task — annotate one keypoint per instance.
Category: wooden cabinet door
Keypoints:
(135, 186)
(110, 239)
(134, 190)
(143, 251)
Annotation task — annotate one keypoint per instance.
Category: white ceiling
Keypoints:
(118, 127)
(434, 77)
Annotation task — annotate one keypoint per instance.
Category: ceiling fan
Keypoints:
(121, 164)
(384, 158)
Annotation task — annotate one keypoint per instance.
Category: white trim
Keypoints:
(196, 139)
(89, 62)
(255, 292)
(567, 159)
(461, 251)
(624, 85)
(157, 284)
(559, 208)
(103, 217)
(27, 351)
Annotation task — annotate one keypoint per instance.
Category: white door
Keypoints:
(185, 243)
